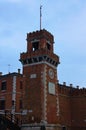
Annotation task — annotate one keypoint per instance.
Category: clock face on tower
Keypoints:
(51, 73)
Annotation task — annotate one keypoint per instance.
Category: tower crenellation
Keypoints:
(39, 40)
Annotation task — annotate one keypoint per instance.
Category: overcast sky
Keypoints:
(65, 19)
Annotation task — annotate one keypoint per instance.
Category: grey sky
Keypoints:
(65, 19)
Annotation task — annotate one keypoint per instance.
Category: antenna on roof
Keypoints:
(40, 16)
(8, 68)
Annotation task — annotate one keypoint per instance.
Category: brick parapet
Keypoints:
(71, 91)
(40, 34)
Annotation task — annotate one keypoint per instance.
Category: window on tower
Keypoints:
(48, 46)
(35, 46)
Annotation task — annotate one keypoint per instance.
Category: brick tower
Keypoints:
(40, 79)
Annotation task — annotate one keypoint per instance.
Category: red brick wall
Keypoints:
(65, 107)
(78, 108)
(7, 94)
(72, 107)
(33, 93)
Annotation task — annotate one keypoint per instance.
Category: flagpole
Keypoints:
(40, 16)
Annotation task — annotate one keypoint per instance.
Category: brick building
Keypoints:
(11, 93)
(35, 97)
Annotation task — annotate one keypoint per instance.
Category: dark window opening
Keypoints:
(45, 57)
(2, 104)
(12, 102)
(48, 58)
(35, 59)
(48, 46)
(56, 64)
(43, 127)
(40, 59)
(21, 85)
(25, 62)
(30, 61)
(63, 128)
(53, 62)
(35, 46)
(20, 104)
(3, 85)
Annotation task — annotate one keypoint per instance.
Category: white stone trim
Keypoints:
(58, 109)
(42, 62)
(14, 96)
(44, 82)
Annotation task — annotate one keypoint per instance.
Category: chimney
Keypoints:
(64, 83)
(19, 71)
(0, 73)
(71, 85)
(77, 87)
